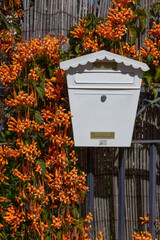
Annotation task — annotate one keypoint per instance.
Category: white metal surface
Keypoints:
(116, 114)
(103, 92)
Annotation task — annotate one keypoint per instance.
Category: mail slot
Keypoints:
(103, 92)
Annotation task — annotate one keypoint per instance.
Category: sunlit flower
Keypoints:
(79, 30)
(22, 125)
(22, 99)
(155, 31)
(8, 74)
(56, 222)
(92, 44)
(14, 217)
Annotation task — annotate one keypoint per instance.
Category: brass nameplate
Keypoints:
(104, 66)
(102, 135)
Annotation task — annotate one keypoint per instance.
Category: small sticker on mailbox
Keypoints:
(102, 142)
(102, 135)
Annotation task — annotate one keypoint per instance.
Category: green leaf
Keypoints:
(142, 15)
(140, 12)
(133, 33)
(148, 14)
(155, 8)
(43, 79)
(83, 194)
(90, 16)
(88, 22)
(155, 92)
(137, 3)
(77, 48)
(42, 164)
(150, 58)
(59, 234)
(45, 214)
(17, 30)
(41, 92)
(38, 117)
(48, 238)
(51, 69)
(4, 236)
(157, 75)
(97, 20)
(142, 20)
(75, 212)
(148, 79)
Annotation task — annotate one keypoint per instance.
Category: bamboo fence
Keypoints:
(56, 17)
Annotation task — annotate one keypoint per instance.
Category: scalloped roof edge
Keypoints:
(101, 55)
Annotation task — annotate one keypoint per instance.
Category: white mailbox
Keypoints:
(103, 92)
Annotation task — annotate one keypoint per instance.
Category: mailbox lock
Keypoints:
(103, 98)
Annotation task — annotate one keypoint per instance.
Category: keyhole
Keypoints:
(103, 98)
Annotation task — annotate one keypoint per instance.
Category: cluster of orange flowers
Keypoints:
(9, 74)
(52, 91)
(156, 31)
(145, 220)
(34, 215)
(120, 15)
(33, 75)
(30, 152)
(6, 153)
(142, 236)
(22, 99)
(25, 52)
(7, 41)
(124, 3)
(114, 27)
(152, 46)
(22, 125)
(80, 30)
(11, 3)
(48, 178)
(14, 217)
(92, 44)
(107, 31)
(128, 51)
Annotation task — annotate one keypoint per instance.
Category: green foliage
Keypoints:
(41, 92)
(132, 33)
(76, 45)
(38, 117)
(155, 8)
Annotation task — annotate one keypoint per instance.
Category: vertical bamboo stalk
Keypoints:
(62, 7)
(85, 7)
(121, 196)
(38, 21)
(24, 21)
(99, 10)
(152, 190)
(27, 18)
(56, 17)
(35, 19)
(80, 9)
(95, 8)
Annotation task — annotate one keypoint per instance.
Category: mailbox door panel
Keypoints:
(104, 80)
(103, 118)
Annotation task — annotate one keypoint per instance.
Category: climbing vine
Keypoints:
(41, 187)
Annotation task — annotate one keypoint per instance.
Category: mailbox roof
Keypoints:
(101, 55)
